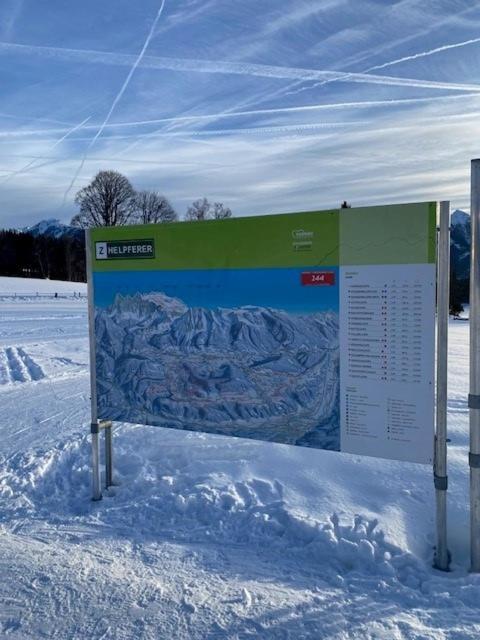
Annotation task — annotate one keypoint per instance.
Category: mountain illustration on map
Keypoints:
(249, 371)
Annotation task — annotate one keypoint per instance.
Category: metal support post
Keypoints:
(441, 560)
(474, 397)
(96, 488)
(95, 427)
(108, 455)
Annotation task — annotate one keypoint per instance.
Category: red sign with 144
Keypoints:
(318, 278)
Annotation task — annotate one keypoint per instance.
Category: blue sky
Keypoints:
(227, 288)
(266, 105)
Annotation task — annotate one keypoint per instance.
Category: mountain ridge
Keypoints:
(460, 239)
(53, 228)
(245, 371)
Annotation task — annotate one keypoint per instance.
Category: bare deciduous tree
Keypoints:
(220, 211)
(198, 210)
(202, 210)
(106, 202)
(151, 206)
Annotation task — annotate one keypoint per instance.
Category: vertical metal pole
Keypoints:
(441, 560)
(96, 487)
(108, 456)
(474, 396)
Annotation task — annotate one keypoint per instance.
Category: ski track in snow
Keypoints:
(17, 366)
(208, 536)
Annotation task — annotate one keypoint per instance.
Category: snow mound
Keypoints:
(160, 499)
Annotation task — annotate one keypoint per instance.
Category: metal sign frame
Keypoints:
(95, 425)
(474, 395)
(442, 556)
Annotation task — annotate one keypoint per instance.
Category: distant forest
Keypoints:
(459, 291)
(41, 256)
(31, 256)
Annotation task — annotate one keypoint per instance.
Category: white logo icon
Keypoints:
(101, 250)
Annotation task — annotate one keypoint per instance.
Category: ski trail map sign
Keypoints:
(312, 329)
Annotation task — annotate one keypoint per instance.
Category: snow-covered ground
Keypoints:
(208, 536)
(27, 288)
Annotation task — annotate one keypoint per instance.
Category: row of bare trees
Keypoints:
(110, 200)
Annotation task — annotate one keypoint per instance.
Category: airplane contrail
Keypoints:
(390, 63)
(10, 116)
(254, 130)
(243, 104)
(303, 108)
(448, 119)
(226, 67)
(296, 128)
(424, 54)
(26, 133)
(289, 90)
(117, 99)
(363, 104)
(446, 20)
(24, 169)
(187, 133)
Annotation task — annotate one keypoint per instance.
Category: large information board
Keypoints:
(313, 329)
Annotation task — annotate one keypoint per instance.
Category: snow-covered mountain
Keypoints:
(460, 218)
(53, 228)
(250, 371)
(460, 244)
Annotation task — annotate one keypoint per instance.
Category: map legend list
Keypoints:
(386, 362)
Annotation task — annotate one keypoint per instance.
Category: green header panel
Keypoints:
(394, 234)
(288, 240)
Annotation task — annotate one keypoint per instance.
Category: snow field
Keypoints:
(207, 536)
(25, 288)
